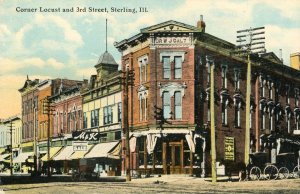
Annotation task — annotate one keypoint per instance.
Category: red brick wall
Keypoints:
(154, 77)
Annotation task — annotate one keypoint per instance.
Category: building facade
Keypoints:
(10, 141)
(29, 95)
(66, 117)
(102, 115)
(172, 63)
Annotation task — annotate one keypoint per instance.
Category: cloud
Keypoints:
(70, 34)
(10, 98)
(19, 37)
(55, 64)
(288, 9)
(35, 62)
(4, 31)
(282, 38)
(86, 72)
(9, 65)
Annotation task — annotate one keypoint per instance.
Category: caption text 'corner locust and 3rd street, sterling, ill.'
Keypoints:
(82, 10)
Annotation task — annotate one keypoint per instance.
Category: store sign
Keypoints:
(87, 136)
(172, 40)
(229, 148)
(80, 145)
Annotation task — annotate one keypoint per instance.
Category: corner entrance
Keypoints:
(173, 152)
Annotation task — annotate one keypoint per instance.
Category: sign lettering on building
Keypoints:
(80, 145)
(229, 148)
(172, 40)
(87, 136)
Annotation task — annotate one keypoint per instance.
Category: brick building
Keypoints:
(29, 95)
(35, 122)
(171, 62)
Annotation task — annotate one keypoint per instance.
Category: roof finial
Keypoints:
(106, 35)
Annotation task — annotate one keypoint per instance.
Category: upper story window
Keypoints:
(237, 76)
(143, 102)
(262, 83)
(119, 112)
(178, 105)
(297, 97)
(287, 87)
(166, 105)
(178, 67)
(288, 115)
(172, 60)
(61, 121)
(108, 115)
(208, 72)
(262, 108)
(95, 118)
(270, 85)
(80, 119)
(176, 91)
(237, 112)
(224, 105)
(224, 77)
(143, 62)
(84, 120)
(276, 94)
(166, 67)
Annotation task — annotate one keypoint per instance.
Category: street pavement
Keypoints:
(165, 184)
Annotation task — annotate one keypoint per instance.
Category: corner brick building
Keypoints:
(171, 62)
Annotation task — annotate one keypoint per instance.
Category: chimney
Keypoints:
(295, 61)
(201, 24)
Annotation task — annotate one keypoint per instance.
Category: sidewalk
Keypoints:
(177, 178)
(156, 179)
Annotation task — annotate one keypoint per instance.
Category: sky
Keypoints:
(47, 45)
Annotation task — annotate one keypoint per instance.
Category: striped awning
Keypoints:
(22, 157)
(4, 157)
(53, 151)
(105, 150)
(79, 154)
(64, 153)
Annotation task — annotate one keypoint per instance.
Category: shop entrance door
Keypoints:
(176, 159)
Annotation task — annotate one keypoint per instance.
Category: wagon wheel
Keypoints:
(255, 173)
(296, 172)
(283, 173)
(271, 172)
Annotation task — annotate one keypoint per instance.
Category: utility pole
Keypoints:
(11, 148)
(212, 124)
(248, 49)
(129, 75)
(47, 111)
(35, 157)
